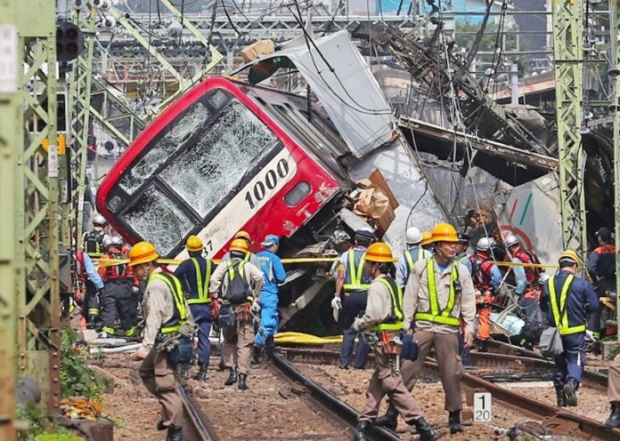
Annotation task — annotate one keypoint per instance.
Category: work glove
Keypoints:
(255, 307)
(336, 303)
(135, 290)
(356, 324)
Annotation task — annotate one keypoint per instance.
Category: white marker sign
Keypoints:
(482, 407)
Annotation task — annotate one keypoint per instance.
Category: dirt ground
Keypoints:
(273, 410)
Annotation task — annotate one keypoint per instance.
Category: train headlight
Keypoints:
(218, 98)
(115, 204)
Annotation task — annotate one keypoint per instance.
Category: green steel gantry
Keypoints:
(568, 38)
(11, 141)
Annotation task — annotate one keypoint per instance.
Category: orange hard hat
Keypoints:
(194, 244)
(379, 252)
(142, 252)
(243, 235)
(569, 255)
(444, 233)
(239, 245)
(427, 237)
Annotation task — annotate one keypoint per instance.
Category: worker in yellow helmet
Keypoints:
(568, 300)
(238, 282)
(427, 241)
(383, 317)
(168, 332)
(195, 275)
(249, 255)
(438, 294)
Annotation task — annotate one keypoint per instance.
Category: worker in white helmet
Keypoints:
(414, 252)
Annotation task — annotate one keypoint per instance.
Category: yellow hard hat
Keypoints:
(379, 252)
(239, 245)
(194, 244)
(243, 235)
(142, 252)
(444, 233)
(569, 255)
(427, 237)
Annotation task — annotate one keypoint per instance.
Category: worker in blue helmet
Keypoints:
(273, 275)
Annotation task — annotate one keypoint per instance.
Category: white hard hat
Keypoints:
(413, 236)
(511, 240)
(485, 244)
(107, 241)
(117, 240)
(99, 220)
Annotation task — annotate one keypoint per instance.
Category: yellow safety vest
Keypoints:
(562, 322)
(395, 322)
(355, 274)
(442, 317)
(203, 288)
(179, 316)
(409, 257)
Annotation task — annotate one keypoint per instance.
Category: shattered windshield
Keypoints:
(157, 219)
(161, 150)
(214, 162)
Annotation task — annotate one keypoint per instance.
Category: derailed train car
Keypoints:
(230, 156)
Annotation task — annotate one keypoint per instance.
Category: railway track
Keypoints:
(492, 370)
(326, 418)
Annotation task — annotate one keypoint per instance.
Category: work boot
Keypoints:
(454, 422)
(175, 434)
(614, 418)
(201, 375)
(232, 377)
(390, 419)
(242, 383)
(271, 346)
(570, 389)
(184, 371)
(161, 426)
(361, 431)
(483, 346)
(425, 430)
(256, 353)
(560, 396)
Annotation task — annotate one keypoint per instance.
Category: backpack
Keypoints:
(238, 289)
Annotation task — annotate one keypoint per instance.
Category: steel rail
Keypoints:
(322, 397)
(195, 420)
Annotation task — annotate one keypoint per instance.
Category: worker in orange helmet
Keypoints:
(168, 333)
(238, 283)
(438, 294)
(249, 255)
(383, 317)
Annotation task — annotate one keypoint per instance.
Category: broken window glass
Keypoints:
(205, 172)
(158, 220)
(161, 149)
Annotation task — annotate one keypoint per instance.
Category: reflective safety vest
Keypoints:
(562, 322)
(179, 316)
(435, 315)
(395, 321)
(409, 257)
(91, 243)
(354, 275)
(202, 284)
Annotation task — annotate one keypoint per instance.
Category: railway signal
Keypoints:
(69, 41)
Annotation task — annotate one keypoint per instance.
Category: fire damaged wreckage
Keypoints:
(410, 139)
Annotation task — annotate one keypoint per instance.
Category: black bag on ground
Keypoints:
(181, 352)
(238, 289)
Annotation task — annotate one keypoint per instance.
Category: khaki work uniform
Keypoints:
(613, 388)
(386, 379)
(439, 326)
(239, 338)
(157, 373)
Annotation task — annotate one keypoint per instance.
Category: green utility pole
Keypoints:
(567, 40)
(11, 141)
(36, 205)
(79, 94)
